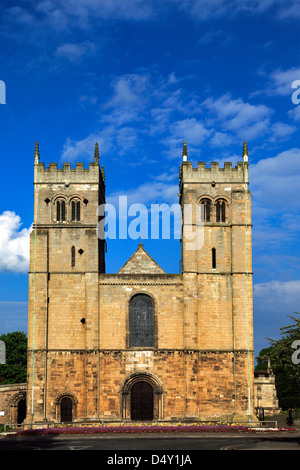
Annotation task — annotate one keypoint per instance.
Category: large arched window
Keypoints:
(141, 321)
(220, 210)
(206, 209)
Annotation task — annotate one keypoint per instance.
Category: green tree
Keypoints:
(15, 368)
(262, 359)
(287, 372)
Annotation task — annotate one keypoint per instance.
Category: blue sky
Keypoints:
(140, 77)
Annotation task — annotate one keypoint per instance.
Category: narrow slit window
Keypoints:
(73, 256)
(214, 258)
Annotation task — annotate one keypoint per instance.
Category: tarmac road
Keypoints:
(171, 445)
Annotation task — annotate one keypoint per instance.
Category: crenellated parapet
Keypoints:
(53, 174)
(214, 173)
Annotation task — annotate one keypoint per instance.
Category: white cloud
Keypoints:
(20, 15)
(279, 288)
(14, 243)
(234, 118)
(246, 120)
(190, 129)
(274, 186)
(295, 113)
(128, 90)
(275, 180)
(110, 138)
(207, 9)
(210, 36)
(221, 139)
(281, 131)
(75, 52)
(84, 148)
(84, 14)
(152, 105)
(129, 99)
(139, 104)
(290, 11)
(281, 81)
(278, 296)
(159, 191)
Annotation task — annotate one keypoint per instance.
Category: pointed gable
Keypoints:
(141, 263)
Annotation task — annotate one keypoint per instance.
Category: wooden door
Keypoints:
(142, 402)
(66, 410)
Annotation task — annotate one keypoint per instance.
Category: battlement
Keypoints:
(53, 174)
(203, 174)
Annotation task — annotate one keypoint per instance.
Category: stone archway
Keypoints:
(141, 390)
(66, 407)
(17, 406)
(21, 414)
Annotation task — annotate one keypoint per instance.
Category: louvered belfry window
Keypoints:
(220, 211)
(141, 321)
(60, 211)
(206, 204)
(75, 211)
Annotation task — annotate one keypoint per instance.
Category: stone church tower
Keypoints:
(140, 344)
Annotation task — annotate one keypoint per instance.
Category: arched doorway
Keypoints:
(141, 402)
(66, 410)
(21, 414)
(139, 392)
(17, 407)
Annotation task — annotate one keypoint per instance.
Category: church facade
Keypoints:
(140, 344)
